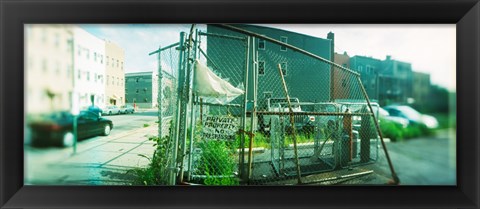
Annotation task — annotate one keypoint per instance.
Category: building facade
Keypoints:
(48, 68)
(386, 81)
(115, 74)
(141, 89)
(421, 88)
(89, 82)
(341, 79)
(395, 82)
(307, 79)
(369, 69)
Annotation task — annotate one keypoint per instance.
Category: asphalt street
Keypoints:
(422, 161)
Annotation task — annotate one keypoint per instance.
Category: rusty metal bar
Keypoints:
(294, 137)
(314, 113)
(222, 36)
(394, 175)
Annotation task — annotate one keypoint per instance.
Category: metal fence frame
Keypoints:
(183, 159)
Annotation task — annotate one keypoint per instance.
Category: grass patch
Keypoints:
(217, 163)
(156, 173)
(396, 132)
(146, 125)
(259, 140)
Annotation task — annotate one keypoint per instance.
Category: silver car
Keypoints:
(111, 110)
(125, 109)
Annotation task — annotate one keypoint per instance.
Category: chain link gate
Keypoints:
(219, 161)
(302, 119)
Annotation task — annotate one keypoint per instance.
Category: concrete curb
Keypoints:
(254, 150)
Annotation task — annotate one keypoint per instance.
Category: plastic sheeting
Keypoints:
(212, 88)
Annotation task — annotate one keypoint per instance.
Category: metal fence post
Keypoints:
(181, 77)
(254, 106)
(244, 116)
(187, 101)
(159, 94)
(192, 109)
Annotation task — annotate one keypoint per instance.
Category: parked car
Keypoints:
(111, 110)
(57, 128)
(96, 110)
(383, 114)
(413, 116)
(124, 109)
(302, 122)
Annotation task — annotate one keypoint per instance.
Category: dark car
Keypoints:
(56, 129)
(96, 110)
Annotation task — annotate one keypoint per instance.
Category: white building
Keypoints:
(48, 68)
(89, 62)
(115, 74)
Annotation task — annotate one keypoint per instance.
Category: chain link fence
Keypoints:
(301, 120)
(216, 153)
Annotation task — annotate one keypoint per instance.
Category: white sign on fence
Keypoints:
(219, 127)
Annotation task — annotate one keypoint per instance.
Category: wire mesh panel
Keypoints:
(302, 118)
(166, 88)
(314, 114)
(217, 139)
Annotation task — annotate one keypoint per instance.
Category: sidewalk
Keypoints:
(98, 161)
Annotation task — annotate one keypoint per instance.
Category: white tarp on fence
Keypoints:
(212, 88)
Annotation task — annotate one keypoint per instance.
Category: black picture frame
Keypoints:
(13, 194)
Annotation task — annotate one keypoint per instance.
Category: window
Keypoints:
(122, 66)
(95, 56)
(137, 80)
(88, 53)
(44, 65)
(136, 91)
(261, 44)
(118, 65)
(261, 67)
(79, 73)
(44, 35)
(118, 81)
(101, 59)
(79, 51)
(88, 76)
(57, 68)
(69, 71)
(360, 69)
(107, 60)
(368, 69)
(95, 79)
(283, 65)
(57, 40)
(284, 40)
(113, 62)
(108, 79)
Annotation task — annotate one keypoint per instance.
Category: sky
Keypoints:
(429, 48)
